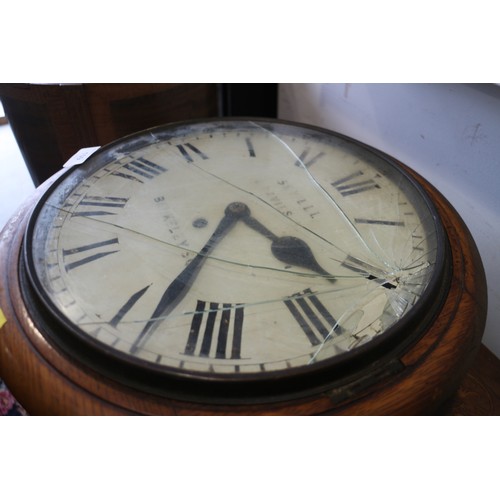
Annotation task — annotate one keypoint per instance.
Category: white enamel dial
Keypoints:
(233, 247)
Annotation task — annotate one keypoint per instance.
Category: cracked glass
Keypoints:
(232, 247)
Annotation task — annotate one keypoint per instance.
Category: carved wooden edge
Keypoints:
(438, 362)
(47, 382)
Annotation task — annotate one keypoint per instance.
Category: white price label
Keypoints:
(80, 156)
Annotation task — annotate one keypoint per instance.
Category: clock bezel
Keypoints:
(381, 352)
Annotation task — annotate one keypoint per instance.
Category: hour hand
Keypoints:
(289, 249)
(296, 252)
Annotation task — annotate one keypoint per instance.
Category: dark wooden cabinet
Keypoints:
(52, 122)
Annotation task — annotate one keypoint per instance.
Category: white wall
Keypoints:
(449, 133)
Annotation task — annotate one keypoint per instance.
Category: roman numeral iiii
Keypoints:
(216, 331)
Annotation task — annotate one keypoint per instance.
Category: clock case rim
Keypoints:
(363, 366)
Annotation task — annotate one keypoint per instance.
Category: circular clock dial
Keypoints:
(236, 248)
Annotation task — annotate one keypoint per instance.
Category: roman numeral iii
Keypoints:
(312, 316)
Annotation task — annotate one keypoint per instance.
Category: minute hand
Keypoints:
(178, 289)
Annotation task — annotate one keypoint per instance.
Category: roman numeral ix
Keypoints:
(139, 170)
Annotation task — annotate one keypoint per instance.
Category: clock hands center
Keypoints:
(178, 289)
(287, 249)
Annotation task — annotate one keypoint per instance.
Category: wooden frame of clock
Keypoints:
(413, 376)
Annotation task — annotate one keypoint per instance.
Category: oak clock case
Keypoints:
(240, 266)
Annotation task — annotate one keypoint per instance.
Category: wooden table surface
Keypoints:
(479, 393)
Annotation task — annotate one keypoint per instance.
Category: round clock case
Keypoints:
(238, 267)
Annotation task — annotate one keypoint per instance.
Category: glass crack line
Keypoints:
(325, 193)
(269, 205)
(194, 252)
(314, 181)
(189, 313)
(357, 306)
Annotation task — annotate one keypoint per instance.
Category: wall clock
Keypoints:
(238, 267)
